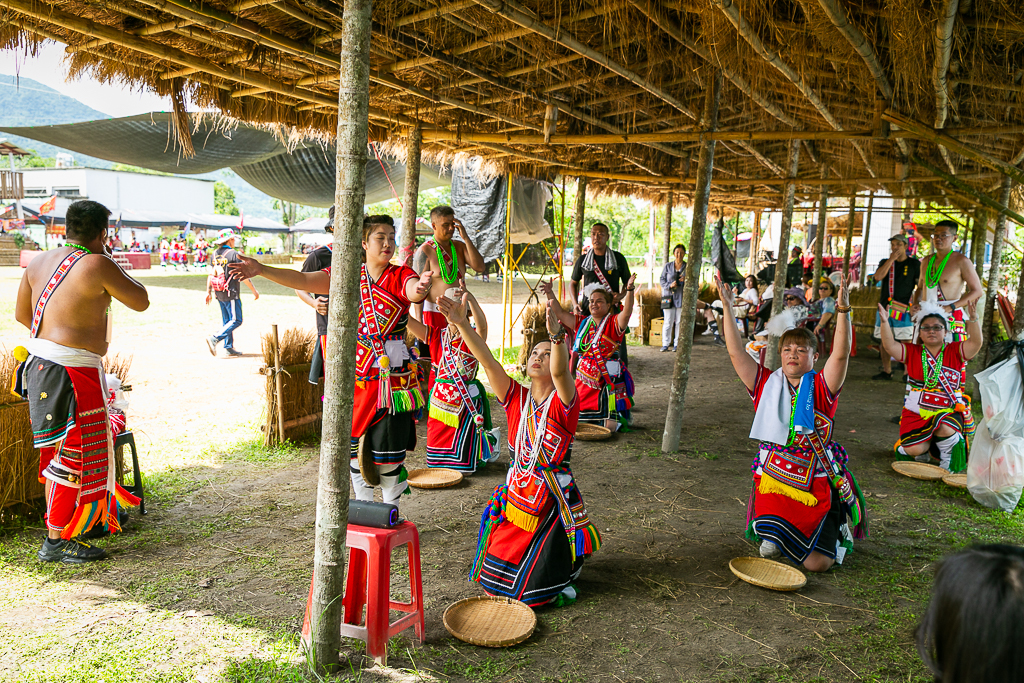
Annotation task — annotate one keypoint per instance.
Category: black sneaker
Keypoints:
(718, 341)
(74, 551)
(883, 375)
(233, 353)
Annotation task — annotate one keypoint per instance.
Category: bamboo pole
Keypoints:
(412, 193)
(691, 287)
(965, 188)
(952, 144)
(279, 386)
(561, 249)
(652, 224)
(994, 272)
(867, 237)
(979, 236)
(779, 287)
(946, 13)
(581, 208)
(667, 249)
(755, 244)
(343, 319)
(819, 236)
(849, 237)
(746, 182)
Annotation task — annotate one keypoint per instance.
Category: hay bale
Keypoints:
(302, 402)
(865, 304)
(19, 459)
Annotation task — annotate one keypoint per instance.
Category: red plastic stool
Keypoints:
(369, 585)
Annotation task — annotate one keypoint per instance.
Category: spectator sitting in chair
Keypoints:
(824, 307)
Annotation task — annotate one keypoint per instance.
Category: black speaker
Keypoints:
(369, 513)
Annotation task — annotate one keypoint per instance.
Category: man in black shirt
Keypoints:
(223, 285)
(898, 275)
(602, 265)
(317, 260)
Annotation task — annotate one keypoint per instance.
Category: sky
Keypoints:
(48, 68)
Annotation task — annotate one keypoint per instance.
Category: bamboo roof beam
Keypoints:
(954, 145)
(747, 32)
(957, 183)
(746, 182)
(764, 161)
(943, 47)
(662, 21)
(433, 13)
(511, 11)
(494, 39)
(862, 45)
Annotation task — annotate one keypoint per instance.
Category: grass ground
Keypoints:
(211, 585)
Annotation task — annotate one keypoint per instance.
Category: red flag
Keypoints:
(49, 205)
(241, 220)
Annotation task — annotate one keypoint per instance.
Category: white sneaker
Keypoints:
(769, 549)
(707, 333)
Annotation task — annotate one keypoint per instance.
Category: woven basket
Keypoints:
(434, 478)
(490, 621)
(367, 468)
(919, 470)
(957, 481)
(768, 573)
(590, 432)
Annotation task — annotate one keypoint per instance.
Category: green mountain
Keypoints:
(25, 102)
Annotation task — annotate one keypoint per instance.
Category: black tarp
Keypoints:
(722, 257)
(305, 175)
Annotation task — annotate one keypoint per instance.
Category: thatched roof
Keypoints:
(865, 83)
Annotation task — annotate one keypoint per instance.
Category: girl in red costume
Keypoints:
(387, 391)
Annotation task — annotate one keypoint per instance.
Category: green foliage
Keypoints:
(35, 161)
(224, 199)
(292, 213)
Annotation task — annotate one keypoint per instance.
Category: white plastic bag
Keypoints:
(1002, 397)
(995, 469)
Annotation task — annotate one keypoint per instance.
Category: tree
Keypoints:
(224, 199)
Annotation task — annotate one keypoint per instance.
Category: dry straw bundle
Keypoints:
(301, 402)
(19, 460)
(535, 329)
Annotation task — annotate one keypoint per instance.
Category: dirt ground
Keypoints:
(211, 584)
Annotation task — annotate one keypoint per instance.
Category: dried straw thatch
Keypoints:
(535, 329)
(19, 460)
(867, 86)
(302, 402)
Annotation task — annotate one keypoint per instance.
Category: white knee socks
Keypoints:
(946, 447)
(391, 488)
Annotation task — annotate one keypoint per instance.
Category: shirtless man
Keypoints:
(943, 277)
(63, 300)
(446, 258)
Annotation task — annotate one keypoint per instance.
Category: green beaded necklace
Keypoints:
(78, 246)
(931, 381)
(448, 273)
(932, 276)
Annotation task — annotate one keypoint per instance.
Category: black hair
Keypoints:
(800, 336)
(86, 220)
(442, 211)
(946, 223)
(330, 223)
(940, 318)
(679, 246)
(602, 225)
(974, 627)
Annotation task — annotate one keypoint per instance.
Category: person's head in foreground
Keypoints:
(798, 349)
(86, 222)
(944, 235)
(679, 252)
(973, 631)
(599, 236)
(933, 330)
(442, 220)
(378, 238)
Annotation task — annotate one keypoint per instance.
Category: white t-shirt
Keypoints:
(750, 294)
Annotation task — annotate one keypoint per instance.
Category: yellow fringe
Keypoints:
(522, 519)
(770, 485)
(444, 416)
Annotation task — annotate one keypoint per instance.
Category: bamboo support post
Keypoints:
(979, 236)
(849, 237)
(755, 244)
(1018, 313)
(867, 237)
(691, 287)
(667, 249)
(779, 288)
(819, 235)
(339, 386)
(278, 385)
(990, 316)
(652, 223)
(581, 209)
(411, 195)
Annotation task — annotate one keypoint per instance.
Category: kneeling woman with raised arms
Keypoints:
(535, 531)
(803, 494)
(387, 391)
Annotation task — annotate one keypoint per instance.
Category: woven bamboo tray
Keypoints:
(589, 432)
(919, 470)
(957, 481)
(434, 478)
(490, 621)
(768, 573)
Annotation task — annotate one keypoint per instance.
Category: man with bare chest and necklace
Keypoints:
(944, 277)
(446, 258)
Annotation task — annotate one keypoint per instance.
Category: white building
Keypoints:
(120, 190)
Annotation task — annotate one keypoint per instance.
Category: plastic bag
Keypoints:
(995, 470)
(1002, 397)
